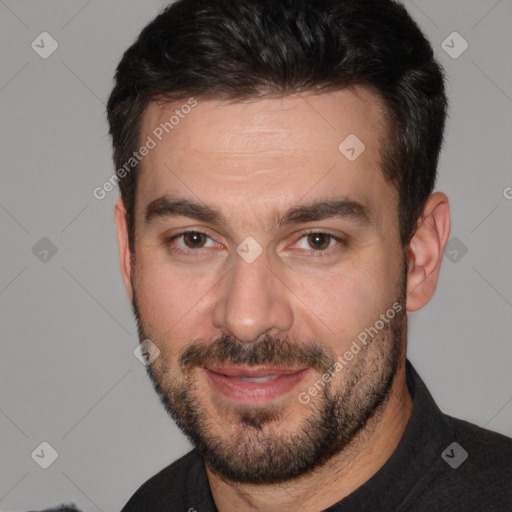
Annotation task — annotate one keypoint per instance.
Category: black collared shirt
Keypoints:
(428, 471)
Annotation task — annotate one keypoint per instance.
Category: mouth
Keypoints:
(253, 385)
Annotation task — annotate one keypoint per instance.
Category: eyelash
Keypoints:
(168, 241)
(341, 244)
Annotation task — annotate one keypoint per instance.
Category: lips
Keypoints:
(253, 385)
(244, 371)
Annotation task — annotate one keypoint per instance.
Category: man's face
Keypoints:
(262, 252)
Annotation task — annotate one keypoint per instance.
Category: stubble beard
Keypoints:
(253, 444)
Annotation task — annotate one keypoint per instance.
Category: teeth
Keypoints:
(260, 379)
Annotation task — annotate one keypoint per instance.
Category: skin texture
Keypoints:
(252, 162)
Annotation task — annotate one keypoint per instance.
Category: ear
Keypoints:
(426, 251)
(125, 256)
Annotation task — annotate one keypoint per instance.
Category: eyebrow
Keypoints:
(168, 207)
(327, 209)
(344, 208)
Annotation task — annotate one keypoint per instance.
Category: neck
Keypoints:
(336, 479)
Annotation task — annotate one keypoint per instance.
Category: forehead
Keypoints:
(268, 152)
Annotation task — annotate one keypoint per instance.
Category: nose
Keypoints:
(252, 302)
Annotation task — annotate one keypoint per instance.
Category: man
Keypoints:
(277, 161)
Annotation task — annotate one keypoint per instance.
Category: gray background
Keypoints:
(68, 374)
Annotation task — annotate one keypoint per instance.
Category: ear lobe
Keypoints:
(125, 256)
(426, 251)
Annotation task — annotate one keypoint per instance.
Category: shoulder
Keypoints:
(485, 442)
(474, 471)
(489, 454)
(170, 486)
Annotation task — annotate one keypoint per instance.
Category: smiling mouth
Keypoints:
(260, 379)
(253, 385)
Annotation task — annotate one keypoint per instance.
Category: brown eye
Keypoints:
(319, 241)
(194, 240)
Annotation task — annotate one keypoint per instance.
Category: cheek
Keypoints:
(171, 303)
(336, 307)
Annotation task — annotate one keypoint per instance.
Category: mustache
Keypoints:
(269, 351)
